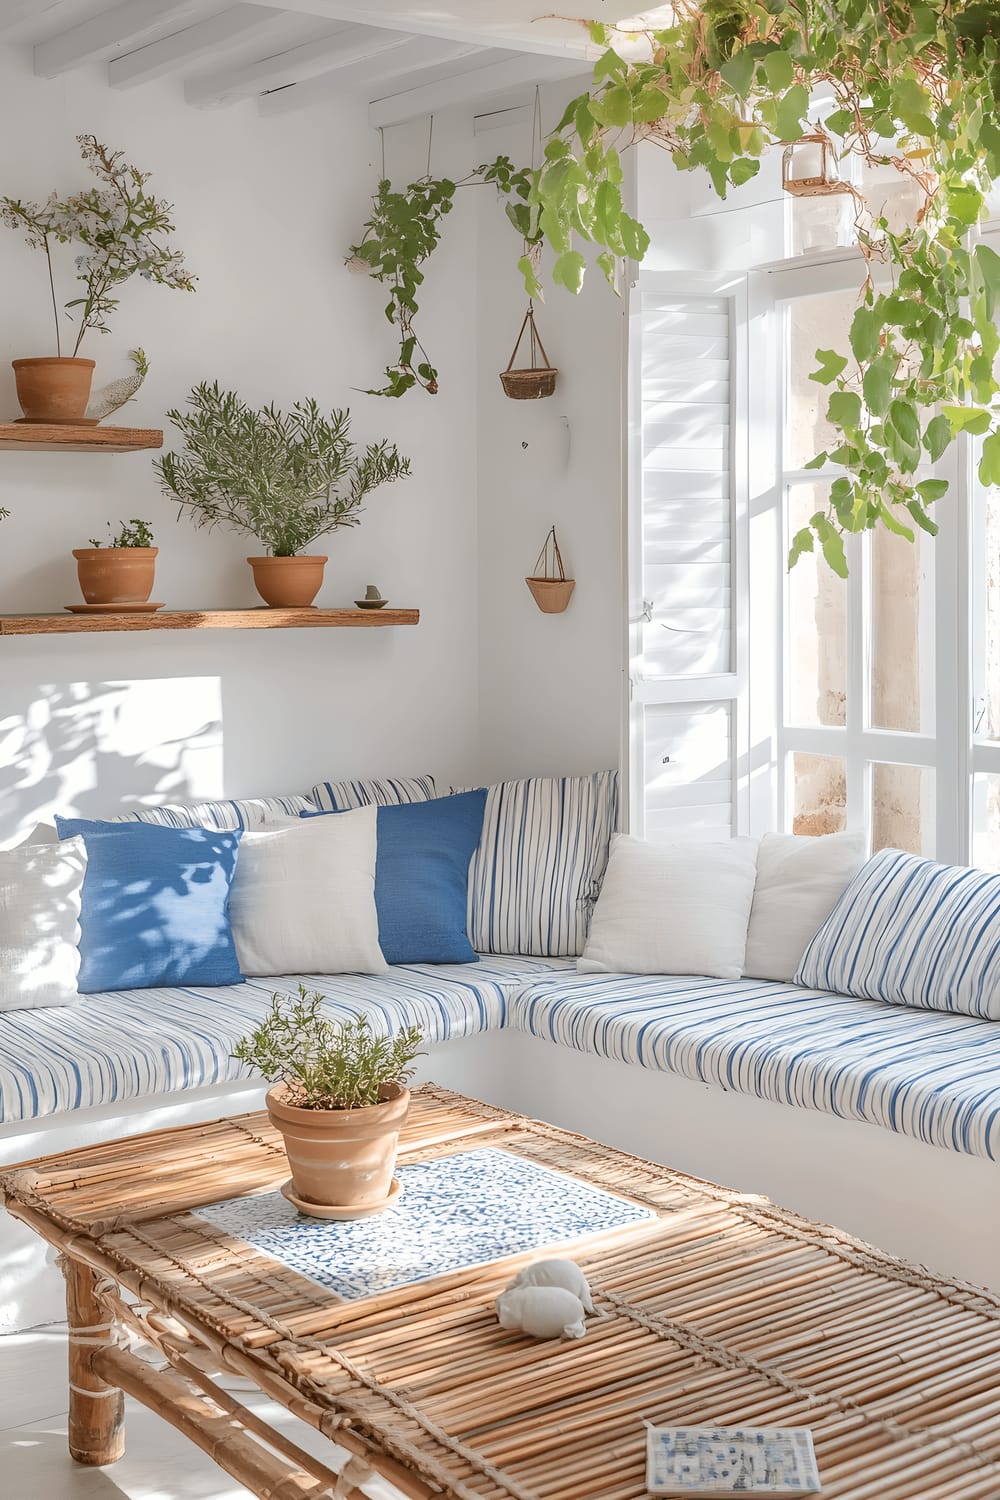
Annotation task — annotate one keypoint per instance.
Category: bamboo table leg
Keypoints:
(96, 1409)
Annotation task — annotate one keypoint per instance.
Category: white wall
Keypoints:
(551, 685)
(265, 210)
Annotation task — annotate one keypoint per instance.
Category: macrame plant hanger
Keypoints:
(530, 382)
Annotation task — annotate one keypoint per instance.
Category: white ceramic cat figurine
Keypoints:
(564, 1273)
(543, 1312)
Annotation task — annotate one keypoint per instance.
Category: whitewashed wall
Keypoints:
(551, 685)
(265, 209)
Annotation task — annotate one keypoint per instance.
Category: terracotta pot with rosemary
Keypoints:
(339, 1100)
(286, 478)
(120, 571)
(118, 230)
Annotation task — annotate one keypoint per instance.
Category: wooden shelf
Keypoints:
(262, 618)
(36, 437)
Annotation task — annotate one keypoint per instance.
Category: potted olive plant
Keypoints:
(120, 571)
(339, 1100)
(120, 230)
(286, 478)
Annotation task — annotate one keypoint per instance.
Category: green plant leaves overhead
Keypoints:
(831, 364)
(569, 269)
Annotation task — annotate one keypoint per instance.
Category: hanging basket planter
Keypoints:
(550, 588)
(529, 383)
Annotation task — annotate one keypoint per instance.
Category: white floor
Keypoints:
(159, 1464)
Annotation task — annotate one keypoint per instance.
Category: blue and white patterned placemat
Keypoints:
(452, 1213)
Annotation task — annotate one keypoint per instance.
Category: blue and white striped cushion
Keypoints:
(912, 932)
(135, 1043)
(335, 796)
(236, 812)
(537, 872)
(916, 1072)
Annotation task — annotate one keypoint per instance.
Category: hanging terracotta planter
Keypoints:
(54, 391)
(288, 582)
(550, 588)
(530, 382)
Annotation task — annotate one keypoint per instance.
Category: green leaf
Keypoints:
(739, 73)
(967, 419)
(906, 422)
(569, 269)
(802, 541)
(743, 169)
(779, 71)
(610, 65)
(989, 464)
(989, 264)
(844, 409)
(833, 546)
(877, 384)
(921, 517)
(930, 490)
(831, 364)
(532, 285)
(792, 107)
(614, 106)
(817, 462)
(937, 437)
(866, 330)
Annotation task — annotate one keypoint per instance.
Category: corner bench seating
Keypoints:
(633, 1056)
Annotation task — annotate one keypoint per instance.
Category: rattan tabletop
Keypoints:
(713, 1308)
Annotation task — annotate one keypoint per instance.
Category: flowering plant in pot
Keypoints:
(286, 478)
(121, 229)
(339, 1099)
(122, 571)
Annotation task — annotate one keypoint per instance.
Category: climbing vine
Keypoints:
(914, 86)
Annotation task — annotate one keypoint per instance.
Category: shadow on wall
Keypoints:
(94, 749)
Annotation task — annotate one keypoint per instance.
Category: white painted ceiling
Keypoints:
(405, 59)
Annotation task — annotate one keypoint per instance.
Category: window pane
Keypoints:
(902, 814)
(987, 708)
(819, 794)
(816, 667)
(820, 322)
(901, 645)
(986, 821)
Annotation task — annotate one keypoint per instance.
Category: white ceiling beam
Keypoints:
(329, 54)
(92, 39)
(575, 44)
(344, 49)
(469, 87)
(420, 60)
(157, 58)
(13, 12)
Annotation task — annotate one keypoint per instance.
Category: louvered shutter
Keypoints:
(687, 530)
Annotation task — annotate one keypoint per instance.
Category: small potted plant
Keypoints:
(120, 229)
(286, 478)
(120, 571)
(339, 1100)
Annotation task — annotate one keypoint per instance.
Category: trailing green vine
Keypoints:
(915, 86)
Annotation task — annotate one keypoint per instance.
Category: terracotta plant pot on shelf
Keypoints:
(116, 575)
(55, 391)
(288, 582)
(342, 1158)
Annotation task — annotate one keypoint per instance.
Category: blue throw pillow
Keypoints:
(422, 877)
(155, 905)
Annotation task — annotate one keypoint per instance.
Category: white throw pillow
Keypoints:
(799, 882)
(303, 898)
(673, 909)
(40, 924)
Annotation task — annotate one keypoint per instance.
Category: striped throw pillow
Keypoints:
(244, 813)
(537, 873)
(912, 932)
(335, 796)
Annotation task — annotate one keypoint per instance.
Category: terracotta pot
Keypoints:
(116, 575)
(551, 594)
(53, 390)
(288, 582)
(341, 1157)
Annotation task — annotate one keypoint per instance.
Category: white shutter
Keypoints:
(686, 554)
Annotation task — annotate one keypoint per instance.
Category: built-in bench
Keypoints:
(883, 1119)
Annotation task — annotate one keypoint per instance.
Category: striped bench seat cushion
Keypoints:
(136, 1043)
(926, 1074)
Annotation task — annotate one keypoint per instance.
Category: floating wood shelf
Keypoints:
(35, 437)
(263, 618)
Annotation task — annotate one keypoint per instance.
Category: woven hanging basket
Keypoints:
(551, 591)
(536, 380)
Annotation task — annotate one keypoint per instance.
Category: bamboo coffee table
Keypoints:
(719, 1309)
